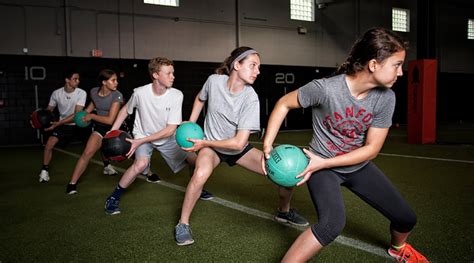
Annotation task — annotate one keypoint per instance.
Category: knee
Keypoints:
(87, 155)
(200, 175)
(327, 230)
(140, 165)
(50, 145)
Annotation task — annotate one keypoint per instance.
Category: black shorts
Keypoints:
(65, 132)
(100, 128)
(230, 159)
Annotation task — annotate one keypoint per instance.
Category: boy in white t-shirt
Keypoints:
(158, 114)
(68, 99)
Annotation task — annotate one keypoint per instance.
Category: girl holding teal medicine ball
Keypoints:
(352, 112)
(106, 101)
(233, 113)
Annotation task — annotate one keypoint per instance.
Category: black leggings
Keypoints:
(371, 185)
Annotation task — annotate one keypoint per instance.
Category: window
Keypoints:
(162, 2)
(470, 29)
(400, 20)
(302, 10)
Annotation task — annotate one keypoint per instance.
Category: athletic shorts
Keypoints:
(230, 159)
(65, 132)
(174, 156)
(100, 128)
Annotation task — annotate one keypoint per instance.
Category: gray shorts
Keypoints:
(174, 156)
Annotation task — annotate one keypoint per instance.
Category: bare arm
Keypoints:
(238, 142)
(373, 145)
(68, 119)
(109, 119)
(374, 142)
(197, 108)
(121, 116)
(281, 109)
(163, 133)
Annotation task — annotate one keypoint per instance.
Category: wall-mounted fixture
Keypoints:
(96, 53)
(302, 30)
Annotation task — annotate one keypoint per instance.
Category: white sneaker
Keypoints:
(43, 176)
(109, 170)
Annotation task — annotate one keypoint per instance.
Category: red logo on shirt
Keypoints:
(347, 127)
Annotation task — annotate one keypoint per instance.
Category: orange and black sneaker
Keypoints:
(407, 254)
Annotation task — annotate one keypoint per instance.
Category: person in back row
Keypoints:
(158, 114)
(68, 99)
(352, 113)
(106, 101)
(233, 113)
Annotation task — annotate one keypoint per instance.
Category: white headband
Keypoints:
(241, 56)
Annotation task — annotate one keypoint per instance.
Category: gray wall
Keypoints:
(206, 30)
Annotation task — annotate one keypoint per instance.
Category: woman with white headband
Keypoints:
(233, 113)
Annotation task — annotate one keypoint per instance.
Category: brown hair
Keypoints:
(105, 74)
(226, 68)
(155, 64)
(376, 43)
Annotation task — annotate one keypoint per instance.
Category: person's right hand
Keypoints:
(316, 163)
(133, 148)
(54, 124)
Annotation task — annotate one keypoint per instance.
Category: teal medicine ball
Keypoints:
(285, 163)
(188, 130)
(78, 119)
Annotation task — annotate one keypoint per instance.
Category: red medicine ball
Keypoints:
(114, 145)
(42, 119)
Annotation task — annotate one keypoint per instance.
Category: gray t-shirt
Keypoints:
(226, 112)
(340, 121)
(103, 104)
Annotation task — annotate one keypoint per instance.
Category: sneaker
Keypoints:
(406, 254)
(205, 195)
(153, 178)
(291, 217)
(71, 189)
(109, 170)
(111, 206)
(43, 176)
(183, 235)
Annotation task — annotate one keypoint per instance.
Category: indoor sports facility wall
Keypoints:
(41, 38)
(207, 30)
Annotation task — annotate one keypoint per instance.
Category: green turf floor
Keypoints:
(40, 223)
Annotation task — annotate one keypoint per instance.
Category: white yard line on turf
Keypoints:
(350, 242)
(398, 155)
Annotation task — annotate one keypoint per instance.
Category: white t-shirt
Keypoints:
(66, 102)
(154, 112)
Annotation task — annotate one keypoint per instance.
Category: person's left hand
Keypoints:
(315, 164)
(54, 124)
